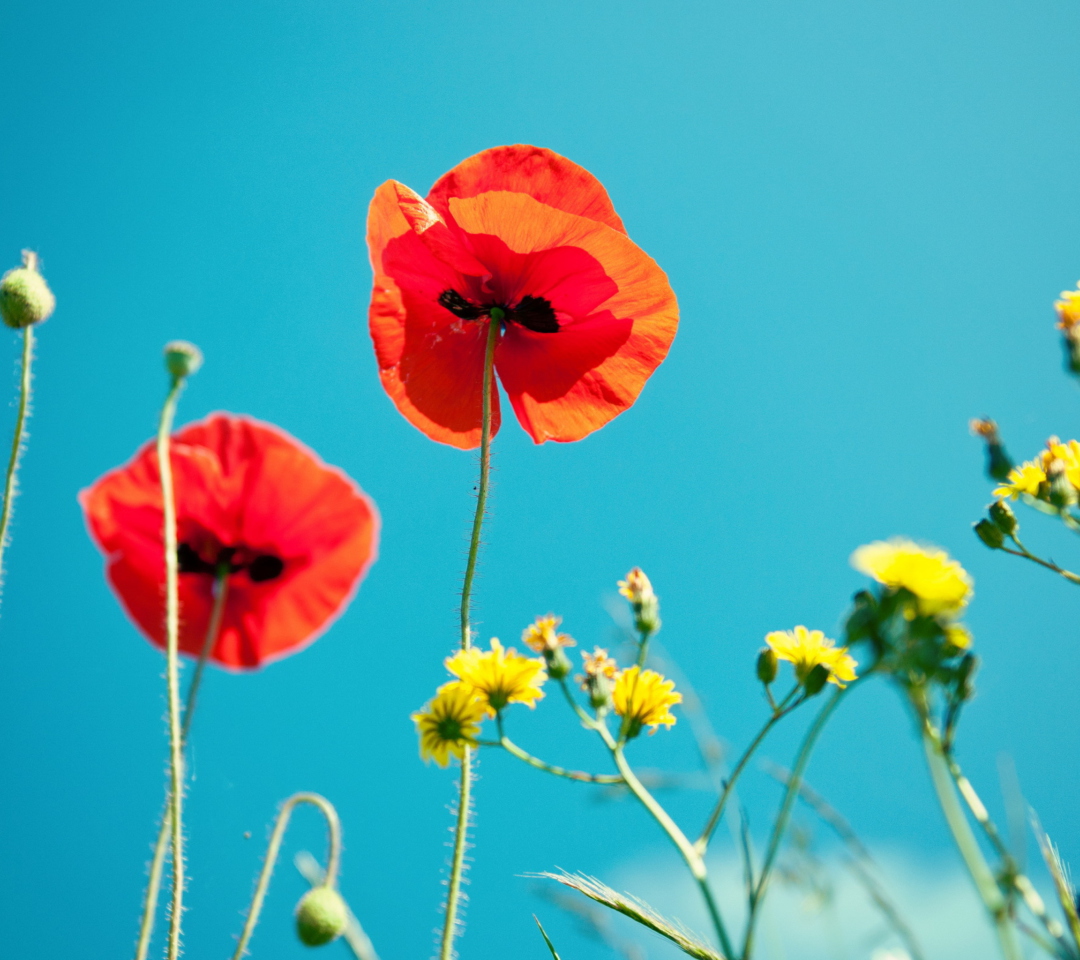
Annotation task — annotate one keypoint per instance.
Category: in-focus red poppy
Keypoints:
(586, 316)
(297, 536)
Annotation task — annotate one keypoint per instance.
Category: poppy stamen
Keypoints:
(265, 567)
(536, 314)
(459, 306)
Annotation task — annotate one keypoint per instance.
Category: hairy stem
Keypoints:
(333, 860)
(17, 442)
(153, 885)
(172, 642)
(461, 828)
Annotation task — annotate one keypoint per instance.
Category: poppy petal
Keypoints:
(616, 311)
(542, 174)
(431, 362)
(251, 488)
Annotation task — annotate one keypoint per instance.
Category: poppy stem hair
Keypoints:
(461, 828)
(333, 860)
(172, 638)
(153, 884)
(18, 442)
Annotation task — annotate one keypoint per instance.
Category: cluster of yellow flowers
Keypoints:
(488, 681)
(1033, 477)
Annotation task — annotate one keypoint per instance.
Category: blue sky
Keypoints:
(866, 212)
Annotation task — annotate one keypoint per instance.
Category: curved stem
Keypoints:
(333, 859)
(461, 828)
(784, 815)
(153, 884)
(966, 843)
(17, 442)
(692, 858)
(172, 642)
(779, 712)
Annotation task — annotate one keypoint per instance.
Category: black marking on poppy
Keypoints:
(536, 314)
(190, 561)
(459, 306)
(265, 567)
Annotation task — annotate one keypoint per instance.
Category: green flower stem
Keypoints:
(643, 647)
(980, 871)
(461, 828)
(153, 885)
(172, 641)
(780, 711)
(581, 777)
(1023, 551)
(586, 721)
(1011, 872)
(17, 442)
(692, 858)
(784, 816)
(333, 859)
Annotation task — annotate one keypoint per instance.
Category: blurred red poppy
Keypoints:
(296, 534)
(586, 316)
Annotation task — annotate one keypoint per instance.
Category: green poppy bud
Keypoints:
(321, 916)
(182, 359)
(990, 534)
(816, 679)
(1003, 517)
(766, 666)
(25, 297)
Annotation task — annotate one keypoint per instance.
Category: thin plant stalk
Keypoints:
(153, 884)
(17, 442)
(461, 827)
(172, 643)
(781, 711)
(784, 817)
(333, 860)
(578, 775)
(972, 855)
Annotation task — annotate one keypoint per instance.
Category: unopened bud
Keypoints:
(816, 679)
(25, 297)
(990, 534)
(1003, 517)
(998, 462)
(766, 666)
(321, 916)
(1062, 492)
(599, 688)
(558, 664)
(638, 590)
(182, 359)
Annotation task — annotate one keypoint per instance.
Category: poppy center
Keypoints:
(532, 313)
(259, 566)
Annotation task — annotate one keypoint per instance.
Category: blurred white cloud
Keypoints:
(818, 910)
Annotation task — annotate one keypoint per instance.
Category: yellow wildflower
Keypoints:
(1068, 309)
(636, 587)
(643, 698)
(543, 634)
(940, 583)
(449, 723)
(805, 649)
(1058, 457)
(499, 676)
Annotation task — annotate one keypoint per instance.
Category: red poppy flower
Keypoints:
(298, 536)
(586, 316)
